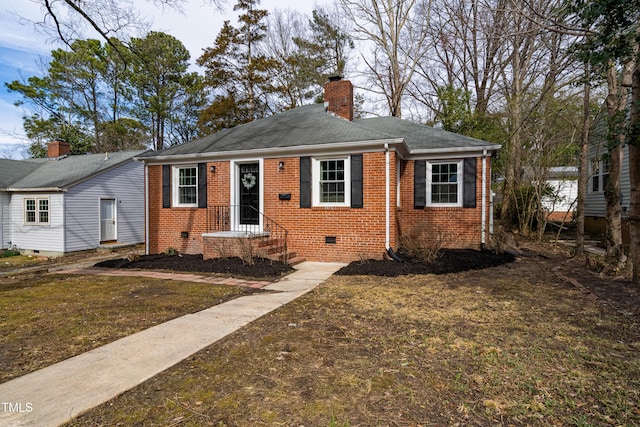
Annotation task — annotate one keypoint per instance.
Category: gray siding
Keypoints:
(125, 184)
(47, 238)
(595, 204)
(5, 237)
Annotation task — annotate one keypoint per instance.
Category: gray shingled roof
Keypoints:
(14, 170)
(66, 171)
(420, 137)
(310, 125)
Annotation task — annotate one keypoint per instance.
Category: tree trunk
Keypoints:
(514, 150)
(583, 171)
(616, 108)
(634, 176)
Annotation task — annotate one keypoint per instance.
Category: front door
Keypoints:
(249, 194)
(107, 220)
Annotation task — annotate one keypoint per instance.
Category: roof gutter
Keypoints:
(333, 148)
(37, 190)
(471, 151)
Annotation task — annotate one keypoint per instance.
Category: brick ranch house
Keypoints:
(334, 188)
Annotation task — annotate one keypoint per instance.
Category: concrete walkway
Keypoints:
(56, 394)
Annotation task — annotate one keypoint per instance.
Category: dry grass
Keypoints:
(511, 345)
(18, 261)
(48, 318)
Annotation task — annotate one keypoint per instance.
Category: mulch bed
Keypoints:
(449, 261)
(195, 264)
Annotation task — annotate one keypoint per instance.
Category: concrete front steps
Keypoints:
(222, 244)
(273, 250)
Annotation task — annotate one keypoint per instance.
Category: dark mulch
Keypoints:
(449, 261)
(195, 264)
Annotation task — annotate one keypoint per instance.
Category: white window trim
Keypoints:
(37, 211)
(599, 173)
(315, 177)
(459, 182)
(175, 180)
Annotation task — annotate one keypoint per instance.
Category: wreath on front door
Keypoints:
(248, 180)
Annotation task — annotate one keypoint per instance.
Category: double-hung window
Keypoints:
(599, 172)
(332, 185)
(185, 186)
(36, 211)
(444, 183)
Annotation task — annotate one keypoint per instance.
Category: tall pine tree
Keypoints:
(237, 72)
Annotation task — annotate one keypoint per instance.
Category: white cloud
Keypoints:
(18, 30)
(22, 45)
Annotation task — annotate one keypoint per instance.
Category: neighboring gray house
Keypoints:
(69, 203)
(595, 210)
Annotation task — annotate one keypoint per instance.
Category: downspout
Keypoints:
(491, 195)
(387, 236)
(484, 200)
(146, 209)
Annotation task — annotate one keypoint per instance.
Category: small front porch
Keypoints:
(243, 231)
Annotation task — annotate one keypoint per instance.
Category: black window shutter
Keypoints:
(202, 185)
(166, 186)
(419, 184)
(305, 182)
(469, 186)
(357, 197)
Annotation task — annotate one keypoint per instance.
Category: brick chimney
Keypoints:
(338, 97)
(58, 148)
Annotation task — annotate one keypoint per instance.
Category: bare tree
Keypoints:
(468, 52)
(284, 27)
(396, 32)
(67, 20)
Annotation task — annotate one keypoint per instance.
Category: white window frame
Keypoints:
(459, 182)
(315, 176)
(176, 186)
(599, 172)
(37, 211)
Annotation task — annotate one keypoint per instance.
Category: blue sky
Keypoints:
(22, 48)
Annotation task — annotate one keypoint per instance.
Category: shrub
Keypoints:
(9, 252)
(422, 244)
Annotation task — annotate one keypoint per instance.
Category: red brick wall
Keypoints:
(457, 227)
(166, 225)
(359, 233)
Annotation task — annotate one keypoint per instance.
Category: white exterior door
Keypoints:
(107, 220)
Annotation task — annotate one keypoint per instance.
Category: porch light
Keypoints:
(280, 166)
(213, 168)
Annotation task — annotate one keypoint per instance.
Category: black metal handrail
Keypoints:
(219, 218)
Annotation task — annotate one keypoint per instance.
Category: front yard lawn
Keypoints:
(537, 342)
(48, 318)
